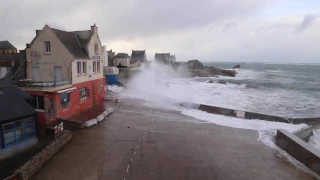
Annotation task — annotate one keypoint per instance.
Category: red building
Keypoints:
(64, 72)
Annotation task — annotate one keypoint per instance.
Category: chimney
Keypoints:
(94, 29)
(37, 32)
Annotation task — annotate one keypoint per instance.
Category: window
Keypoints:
(79, 68)
(84, 67)
(94, 66)
(95, 49)
(98, 66)
(18, 131)
(65, 99)
(37, 102)
(47, 46)
(84, 93)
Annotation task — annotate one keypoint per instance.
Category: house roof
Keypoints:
(6, 45)
(137, 56)
(83, 37)
(75, 42)
(12, 102)
(122, 55)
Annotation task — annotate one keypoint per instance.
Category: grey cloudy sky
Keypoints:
(209, 30)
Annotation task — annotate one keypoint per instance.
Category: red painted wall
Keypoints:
(96, 95)
(76, 105)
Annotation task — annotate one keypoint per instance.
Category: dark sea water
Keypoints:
(291, 90)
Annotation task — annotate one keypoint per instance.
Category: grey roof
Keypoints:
(122, 55)
(83, 37)
(12, 102)
(6, 45)
(137, 56)
(163, 57)
(72, 43)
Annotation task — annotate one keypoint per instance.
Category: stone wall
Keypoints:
(28, 169)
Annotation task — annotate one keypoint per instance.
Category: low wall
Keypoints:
(36, 162)
(304, 133)
(258, 116)
(299, 149)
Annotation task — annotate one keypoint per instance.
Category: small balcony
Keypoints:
(30, 83)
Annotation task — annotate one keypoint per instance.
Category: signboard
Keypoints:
(95, 57)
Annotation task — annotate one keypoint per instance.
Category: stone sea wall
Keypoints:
(28, 169)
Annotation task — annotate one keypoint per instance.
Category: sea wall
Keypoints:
(36, 162)
(252, 115)
(299, 149)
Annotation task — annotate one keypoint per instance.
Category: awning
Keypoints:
(67, 90)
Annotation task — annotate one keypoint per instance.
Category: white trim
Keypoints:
(67, 90)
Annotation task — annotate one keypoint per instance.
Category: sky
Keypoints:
(208, 30)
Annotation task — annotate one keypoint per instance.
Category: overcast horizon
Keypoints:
(284, 31)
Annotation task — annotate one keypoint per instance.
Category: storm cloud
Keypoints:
(219, 30)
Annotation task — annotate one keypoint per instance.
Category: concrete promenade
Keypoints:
(179, 147)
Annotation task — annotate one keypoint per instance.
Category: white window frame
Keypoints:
(79, 67)
(98, 66)
(96, 51)
(94, 66)
(84, 67)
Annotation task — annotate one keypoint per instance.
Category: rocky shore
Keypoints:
(198, 69)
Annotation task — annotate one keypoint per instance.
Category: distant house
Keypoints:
(111, 55)
(17, 120)
(137, 58)
(10, 59)
(172, 58)
(162, 57)
(64, 72)
(122, 60)
(6, 47)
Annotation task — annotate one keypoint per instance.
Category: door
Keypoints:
(36, 74)
(58, 74)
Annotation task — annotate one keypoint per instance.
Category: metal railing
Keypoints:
(26, 83)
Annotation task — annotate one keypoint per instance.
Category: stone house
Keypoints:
(172, 58)
(111, 55)
(137, 58)
(122, 60)
(10, 60)
(64, 72)
(6, 47)
(17, 120)
(162, 57)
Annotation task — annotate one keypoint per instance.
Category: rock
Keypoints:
(236, 66)
(222, 82)
(195, 64)
(210, 81)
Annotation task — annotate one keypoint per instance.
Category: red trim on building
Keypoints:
(52, 103)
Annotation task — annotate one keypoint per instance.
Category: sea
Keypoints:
(286, 90)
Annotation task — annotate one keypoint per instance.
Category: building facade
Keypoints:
(162, 57)
(122, 60)
(10, 60)
(64, 72)
(6, 47)
(137, 58)
(172, 58)
(111, 55)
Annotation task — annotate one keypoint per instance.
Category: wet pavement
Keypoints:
(179, 147)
